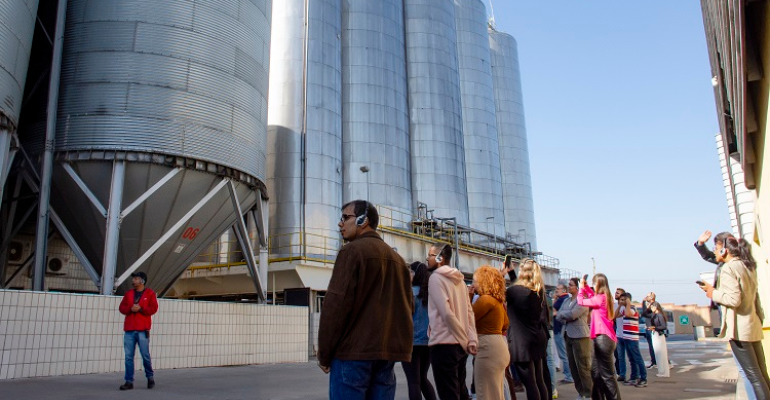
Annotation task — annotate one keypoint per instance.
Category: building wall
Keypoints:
(46, 334)
(761, 101)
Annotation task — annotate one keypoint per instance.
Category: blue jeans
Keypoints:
(648, 335)
(638, 369)
(130, 340)
(551, 361)
(561, 348)
(621, 354)
(369, 380)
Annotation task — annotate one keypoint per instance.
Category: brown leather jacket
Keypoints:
(367, 311)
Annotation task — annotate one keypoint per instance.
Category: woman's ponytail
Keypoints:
(741, 249)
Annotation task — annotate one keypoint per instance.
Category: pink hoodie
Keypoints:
(449, 309)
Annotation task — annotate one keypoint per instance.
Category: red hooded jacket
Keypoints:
(142, 320)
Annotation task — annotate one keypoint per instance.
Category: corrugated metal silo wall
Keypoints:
(173, 77)
(17, 27)
(319, 80)
(512, 132)
(375, 114)
(436, 128)
(482, 151)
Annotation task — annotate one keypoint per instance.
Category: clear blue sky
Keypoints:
(621, 123)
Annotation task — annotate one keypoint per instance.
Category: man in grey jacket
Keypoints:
(577, 337)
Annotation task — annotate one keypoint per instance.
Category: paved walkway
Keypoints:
(704, 370)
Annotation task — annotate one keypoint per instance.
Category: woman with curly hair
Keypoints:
(491, 322)
(526, 338)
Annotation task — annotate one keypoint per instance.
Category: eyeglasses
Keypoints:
(346, 217)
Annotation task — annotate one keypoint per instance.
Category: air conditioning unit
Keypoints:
(18, 252)
(56, 266)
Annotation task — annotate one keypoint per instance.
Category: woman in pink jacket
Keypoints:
(603, 335)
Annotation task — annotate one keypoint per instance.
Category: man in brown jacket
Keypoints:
(366, 321)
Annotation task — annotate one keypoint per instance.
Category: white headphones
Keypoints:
(363, 218)
(440, 258)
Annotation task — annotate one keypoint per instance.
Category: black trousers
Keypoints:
(416, 373)
(448, 362)
(752, 359)
(531, 376)
(603, 370)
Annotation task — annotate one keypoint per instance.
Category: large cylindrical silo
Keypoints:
(305, 123)
(512, 133)
(436, 128)
(482, 151)
(17, 27)
(375, 115)
(164, 93)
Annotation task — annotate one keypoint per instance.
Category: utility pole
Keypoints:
(594, 262)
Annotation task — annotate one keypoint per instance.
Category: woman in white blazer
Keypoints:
(736, 294)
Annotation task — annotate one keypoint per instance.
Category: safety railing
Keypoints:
(313, 247)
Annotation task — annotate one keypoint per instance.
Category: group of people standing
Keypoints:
(377, 311)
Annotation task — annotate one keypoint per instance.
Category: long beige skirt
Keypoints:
(489, 370)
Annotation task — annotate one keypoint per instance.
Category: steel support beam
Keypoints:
(84, 188)
(112, 234)
(84, 261)
(138, 263)
(7, 233)
(150, 192)
(242, 234)
(41, 240)
(6, 158)
(65, 234)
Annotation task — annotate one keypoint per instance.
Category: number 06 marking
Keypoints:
(190, 233)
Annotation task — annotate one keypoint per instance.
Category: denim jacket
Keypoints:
(420, 319)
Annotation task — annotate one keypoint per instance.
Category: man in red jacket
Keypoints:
(138, 305)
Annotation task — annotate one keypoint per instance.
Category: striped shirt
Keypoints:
(631, 326)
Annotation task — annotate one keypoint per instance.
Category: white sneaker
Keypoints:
(661, 376)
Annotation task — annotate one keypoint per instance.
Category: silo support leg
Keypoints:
(242, 234)
(112, 234)
(84, 188)
(170, 232)
(6, 158)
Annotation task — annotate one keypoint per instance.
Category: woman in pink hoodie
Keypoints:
(603, 335)
(452, 328)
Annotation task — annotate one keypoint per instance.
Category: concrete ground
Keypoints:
(703, 370)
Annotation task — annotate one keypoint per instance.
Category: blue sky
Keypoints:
(621, 123)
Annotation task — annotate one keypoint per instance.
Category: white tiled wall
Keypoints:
(43, 334)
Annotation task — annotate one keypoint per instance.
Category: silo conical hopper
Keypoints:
(161, 133)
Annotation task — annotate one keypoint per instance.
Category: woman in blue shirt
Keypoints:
(417, 370)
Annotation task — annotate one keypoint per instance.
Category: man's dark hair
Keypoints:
(361, 207)
(621, 290)
(626, 294)
(445, 250)
(576, 281)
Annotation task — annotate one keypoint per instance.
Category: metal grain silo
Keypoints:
(17, 27)
(482, 151)
(305, 123)
(436, 127)
(161, 134)
(375, 115)
(512, 133)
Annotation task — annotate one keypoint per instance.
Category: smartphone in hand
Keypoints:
(507, 261)
(700, 283)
